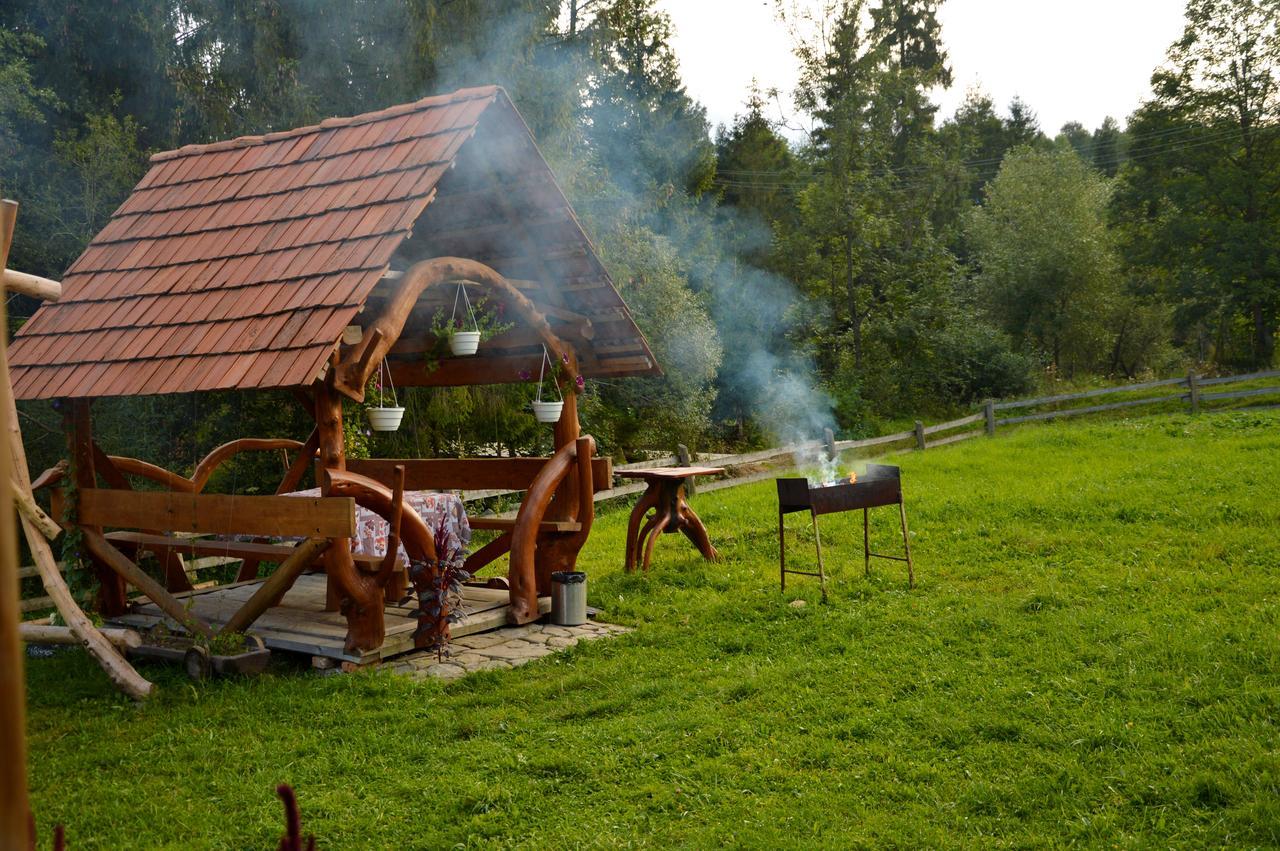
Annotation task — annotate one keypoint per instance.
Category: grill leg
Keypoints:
(866, 544)
(906, 541)
(782, 550)
(817, 542)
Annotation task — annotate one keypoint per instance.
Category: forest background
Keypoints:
(885, 265)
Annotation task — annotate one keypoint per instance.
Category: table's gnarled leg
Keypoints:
(653, 529)
(649, 499)
(691, 525)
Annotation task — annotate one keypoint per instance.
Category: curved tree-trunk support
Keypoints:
(174, 481)
(378, 498)
(226, 451)
(526, 565)
(355, 369)
(414, 533)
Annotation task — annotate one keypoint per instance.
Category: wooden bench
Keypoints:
(555, 514)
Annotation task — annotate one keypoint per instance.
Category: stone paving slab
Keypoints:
(501, 649)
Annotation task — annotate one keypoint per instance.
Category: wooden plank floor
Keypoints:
(301, 625)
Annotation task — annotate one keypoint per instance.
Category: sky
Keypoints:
(1070, 60)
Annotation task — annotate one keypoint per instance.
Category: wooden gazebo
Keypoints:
(301, 261)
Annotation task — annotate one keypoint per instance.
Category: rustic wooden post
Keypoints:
(566, 431)
(920, 435)
(1193, 388)
(111, 587)
(989, 414)
(14, 807)
(359, 598)
(829, 441)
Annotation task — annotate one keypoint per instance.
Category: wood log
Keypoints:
(524, 539)
(31, 285)
(138, 577)
(358, 596)
(32, 633)
(14, 806)
(28, 508)
(119, 671)
(276, 586)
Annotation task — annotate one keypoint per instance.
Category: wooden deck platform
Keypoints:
(301, 625)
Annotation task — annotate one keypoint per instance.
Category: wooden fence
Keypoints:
(921, 436)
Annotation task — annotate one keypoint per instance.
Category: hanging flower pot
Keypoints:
(384, 419)
(548, 412)
(463, 342)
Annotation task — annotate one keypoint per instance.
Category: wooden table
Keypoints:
(666, 495)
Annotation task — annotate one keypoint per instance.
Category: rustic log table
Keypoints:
(666, 495)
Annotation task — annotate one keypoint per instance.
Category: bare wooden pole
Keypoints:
(31, 285)
(39, 633)
(14, 806)
(119, 671)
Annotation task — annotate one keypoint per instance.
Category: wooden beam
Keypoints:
(218, 513)
(30, 285)
(138, 578)
(457, 372)
(467, 473)
(277, 585)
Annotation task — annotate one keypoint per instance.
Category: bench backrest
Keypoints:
(470, 473)
(220, 514)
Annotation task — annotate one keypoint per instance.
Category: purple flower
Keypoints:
(457, 323)
(525, 375)
(580, 381)
(564, 356)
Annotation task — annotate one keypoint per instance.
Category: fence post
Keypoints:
(989, 412)
(919, 435)
(829, 441)
(1194, 391)
(683, 459)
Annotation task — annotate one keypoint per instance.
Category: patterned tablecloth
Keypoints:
(434, 509)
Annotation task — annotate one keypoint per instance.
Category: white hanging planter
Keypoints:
(548, 412)
(384, 419)
(464, 343)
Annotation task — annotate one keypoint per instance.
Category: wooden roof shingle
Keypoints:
(236, 265)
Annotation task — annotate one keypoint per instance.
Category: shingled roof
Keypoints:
(237, 264)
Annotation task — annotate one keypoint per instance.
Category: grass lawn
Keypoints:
(1090, 657)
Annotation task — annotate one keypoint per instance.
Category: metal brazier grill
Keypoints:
(881, 484)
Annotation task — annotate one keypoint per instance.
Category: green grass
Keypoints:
(1090, 658)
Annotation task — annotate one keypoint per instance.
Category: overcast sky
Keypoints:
(1078, 60)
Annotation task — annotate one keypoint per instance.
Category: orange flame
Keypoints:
(853, 478)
